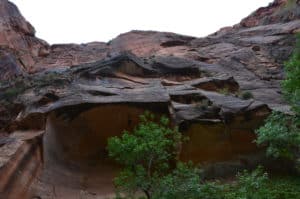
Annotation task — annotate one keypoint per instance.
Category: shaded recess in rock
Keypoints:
(176, 66)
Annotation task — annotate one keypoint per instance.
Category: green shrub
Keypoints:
(146, 154)
(250, 185)
(257, 185)
(211, 190)
(281, 135)
(182, 183)
(281, 132)
(291, 84)
(284, 188)
(246, 95)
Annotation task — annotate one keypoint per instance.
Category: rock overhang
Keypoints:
(115, 81)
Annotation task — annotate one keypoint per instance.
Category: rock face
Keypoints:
(79, 95)
(20, 163)
(277, 12)
(19, 47)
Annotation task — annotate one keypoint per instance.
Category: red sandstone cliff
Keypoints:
(22, 52)
(20, 49)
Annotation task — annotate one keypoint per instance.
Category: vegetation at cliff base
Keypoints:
(151, 170)
(291, 84)
(148, 155)
(281, 132)
(281, 135)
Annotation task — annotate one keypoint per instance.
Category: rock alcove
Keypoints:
(102, 99)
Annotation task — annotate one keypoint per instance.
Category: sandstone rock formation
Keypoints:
(79, 95)
(19, 47)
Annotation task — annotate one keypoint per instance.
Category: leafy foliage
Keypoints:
(291, 85)
(250, 185)
(257, 185)
(183, 182)
(146, 154)
(283, 187)
(281, 134)
(246, 95)
(149, 152)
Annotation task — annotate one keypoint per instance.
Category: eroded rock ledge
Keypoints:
(130, 82)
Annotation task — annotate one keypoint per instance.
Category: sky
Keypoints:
(81, 21)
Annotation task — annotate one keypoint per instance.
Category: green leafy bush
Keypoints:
(151, 170)
(281, 134)
(147, 154)
(246, 95)
(257, 185)
(283, 188)
(250, 185)
(183, 182)
(291, 84)
(162, 181)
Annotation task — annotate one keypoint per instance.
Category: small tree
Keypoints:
(282, 132)
(149, 156)
(281, 135)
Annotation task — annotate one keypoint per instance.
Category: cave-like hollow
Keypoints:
(74, 147)
(75, 140)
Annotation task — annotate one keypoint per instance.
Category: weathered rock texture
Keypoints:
(20, 163)
(20, 49)
(82, 94)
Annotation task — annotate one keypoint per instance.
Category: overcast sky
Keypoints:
(80, 21)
